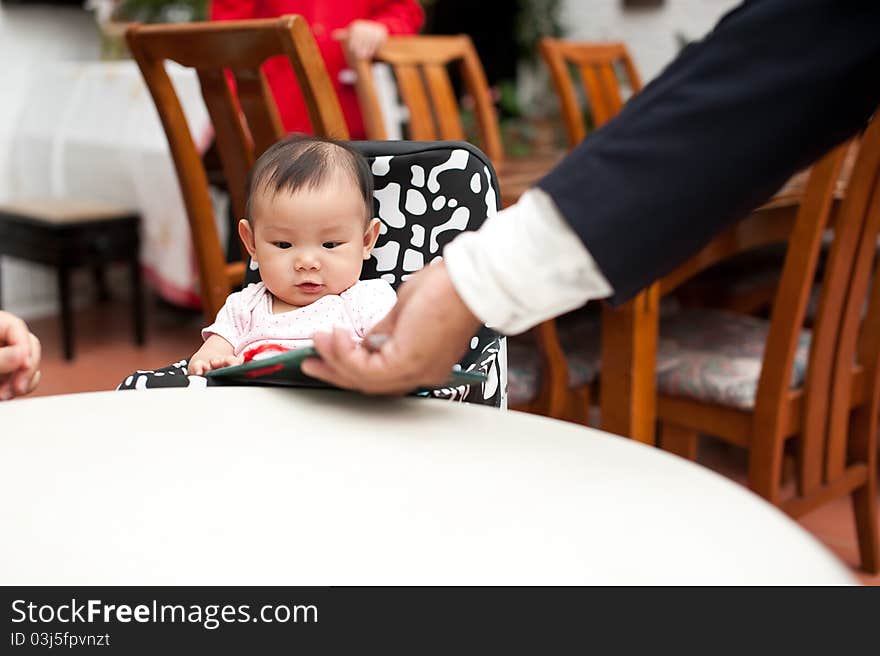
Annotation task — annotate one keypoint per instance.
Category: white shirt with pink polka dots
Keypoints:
(246, 320)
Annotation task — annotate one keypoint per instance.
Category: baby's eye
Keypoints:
(331, 244)
(282, 244)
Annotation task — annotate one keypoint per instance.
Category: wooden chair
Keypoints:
(851, 448)
(747, 284)
(243, 114)
(602, 67)
(420, 66)
(607, 76)
(791, 394)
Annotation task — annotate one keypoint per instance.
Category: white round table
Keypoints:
(265, 486)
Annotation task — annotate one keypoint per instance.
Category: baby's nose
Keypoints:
(308, 261)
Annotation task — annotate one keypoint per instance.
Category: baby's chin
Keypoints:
(303, 299)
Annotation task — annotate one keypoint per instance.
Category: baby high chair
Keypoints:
(425, 194)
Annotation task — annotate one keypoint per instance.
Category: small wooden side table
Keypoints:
(69, 233)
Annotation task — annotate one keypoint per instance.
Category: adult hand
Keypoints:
(429, 329)
(19, 357)
(362, 37)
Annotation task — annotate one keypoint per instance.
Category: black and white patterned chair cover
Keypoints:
(425, 193)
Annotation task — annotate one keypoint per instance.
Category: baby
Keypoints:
(309, 229)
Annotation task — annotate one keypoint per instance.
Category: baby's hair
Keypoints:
(305, 161)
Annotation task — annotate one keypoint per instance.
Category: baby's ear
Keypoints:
(370, 237)
(247, 236)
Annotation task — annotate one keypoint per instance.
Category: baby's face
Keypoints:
(311, 243)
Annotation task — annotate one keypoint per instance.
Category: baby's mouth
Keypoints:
(310, 287)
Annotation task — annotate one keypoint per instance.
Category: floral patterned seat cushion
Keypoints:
(579, 337)
(716, 356)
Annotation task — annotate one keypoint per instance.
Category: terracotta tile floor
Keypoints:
(104, 348)
(105, 354)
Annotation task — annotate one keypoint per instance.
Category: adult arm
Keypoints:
(772, 87)
(775, 85)
(232, 9)
(398, 16)
(712, 138)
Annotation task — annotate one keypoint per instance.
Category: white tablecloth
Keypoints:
(260, 486)
(91, 130)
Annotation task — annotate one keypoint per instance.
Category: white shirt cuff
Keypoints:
(523, 266)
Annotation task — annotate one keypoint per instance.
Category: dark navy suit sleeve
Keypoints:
(774, 86)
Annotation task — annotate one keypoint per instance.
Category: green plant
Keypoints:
(161, 11)
(536, 19)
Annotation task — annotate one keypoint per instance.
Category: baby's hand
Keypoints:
(225, 361)
(201, 366)
(198, 367)
(216, 352)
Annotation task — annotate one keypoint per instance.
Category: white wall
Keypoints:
(30, 37)
(649, 33)
(34, 36)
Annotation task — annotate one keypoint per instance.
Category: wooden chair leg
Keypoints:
(765, 464)
(578, 405)
(66, 311)
(679, 440)
(865, 509)
(863, 448)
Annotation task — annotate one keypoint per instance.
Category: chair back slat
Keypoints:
(598, 65)
(826, 331)
(787, 319)
(869, 338)
(852, 357)
(487, 120)
(859, 340)
(600, 109)
(632, 74)
(257, 104)
(368, 99)
(565, 90)
(415, 97)
(234, 144)
(862, 439)
(325, 113)
(443, 101)
(245, 120)
(611, 88)
(420, 69)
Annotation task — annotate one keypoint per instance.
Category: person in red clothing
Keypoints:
(361, 25)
